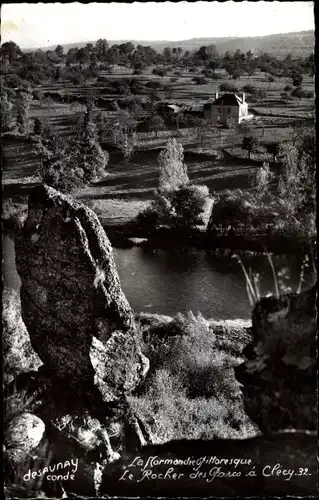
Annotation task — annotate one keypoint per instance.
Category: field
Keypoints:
(129, 186)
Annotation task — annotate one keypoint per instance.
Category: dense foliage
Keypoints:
(70, 162)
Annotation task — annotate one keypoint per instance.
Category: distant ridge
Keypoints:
(297, 43)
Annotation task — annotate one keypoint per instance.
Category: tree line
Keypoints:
(53, 65)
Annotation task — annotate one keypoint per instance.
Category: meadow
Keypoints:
(129, 185)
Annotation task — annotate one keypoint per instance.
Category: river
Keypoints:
(167, 282)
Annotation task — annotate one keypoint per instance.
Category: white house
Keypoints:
(229, 109)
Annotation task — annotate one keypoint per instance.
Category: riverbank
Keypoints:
(129, 236)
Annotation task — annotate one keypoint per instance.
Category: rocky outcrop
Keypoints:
(83, 330)
(72, 302)
(279, 373)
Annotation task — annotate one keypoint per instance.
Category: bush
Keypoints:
(157, 214)
(249, 89)
(192, 392)
(300, 93)
(153, 84)
(250, 143)
(179, 208)
(188, 204)
(200, 80)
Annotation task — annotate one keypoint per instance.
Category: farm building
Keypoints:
(229, 109)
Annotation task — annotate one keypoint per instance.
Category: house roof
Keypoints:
(175, 108)
(228, 100)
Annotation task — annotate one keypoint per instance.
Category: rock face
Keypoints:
(22, 435)
(18, 355)
(279, 374)
(72, 302)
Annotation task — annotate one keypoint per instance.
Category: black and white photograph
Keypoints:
(159, 246)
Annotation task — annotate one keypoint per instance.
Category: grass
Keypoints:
(191, 391)
(128, 187)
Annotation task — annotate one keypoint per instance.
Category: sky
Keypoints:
(41, 25)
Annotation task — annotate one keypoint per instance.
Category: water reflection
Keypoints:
(167, 282)
(170, 281)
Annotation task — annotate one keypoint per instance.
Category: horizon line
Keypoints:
(170, 41)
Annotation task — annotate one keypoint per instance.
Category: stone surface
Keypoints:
(18, 354)
(71, 297)
(279, 372)
(22, 435)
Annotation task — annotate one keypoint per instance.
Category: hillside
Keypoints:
(297, 43)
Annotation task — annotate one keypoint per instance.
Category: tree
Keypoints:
(297, 186)
(188, 203)
(227, 87)
(38, 127)
(274, 149)
(260, 181)
(59, 51)
(308, 146)
(167, 53)
(156, 123)
(200, 125)
(58, 167)
(11, 50)
(250, 143)
(23, 112)
(296, 79)
(123, 134)
(7, 121)
(91, 159)
(172, 169)
(249, 89)
(270, 79)
(101, 49)
(82, 56)
(236, 74)
(298, 130)
(180, 208)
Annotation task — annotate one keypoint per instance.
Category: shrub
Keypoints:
(157, 214)
(192, 392)
(153, 84)
(250, 143)
(300, 93)
(200, 80)
(188, 204)
(249, 89)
